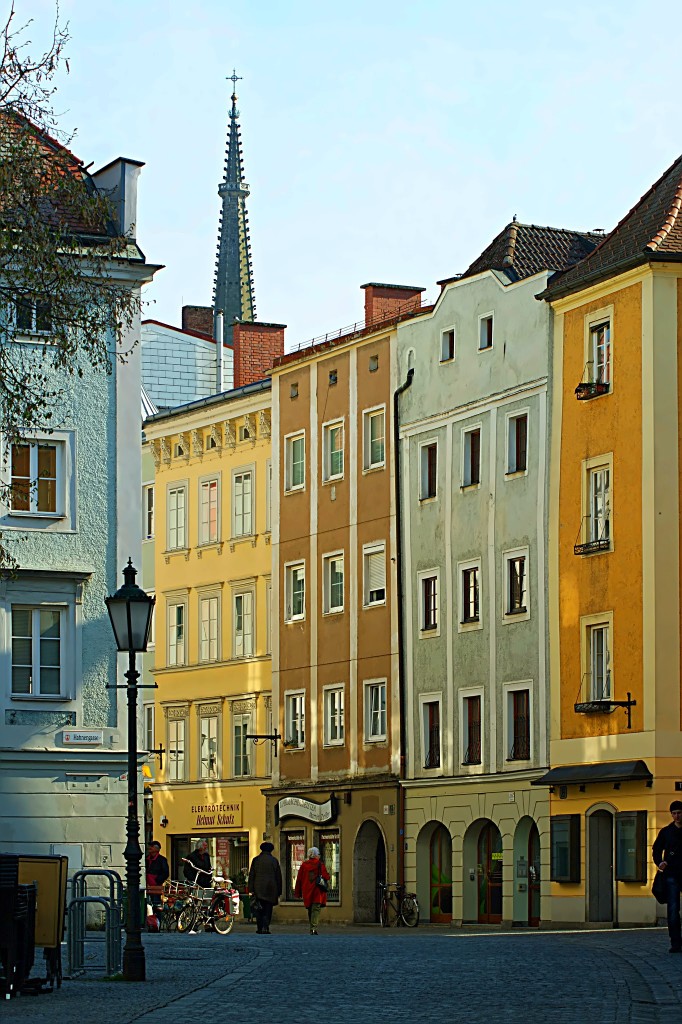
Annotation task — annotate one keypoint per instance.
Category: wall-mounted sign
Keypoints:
(297, 807)
(217, 815)
(83, 737)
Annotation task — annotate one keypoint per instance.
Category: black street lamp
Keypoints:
(130, 611)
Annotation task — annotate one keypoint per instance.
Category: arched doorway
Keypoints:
(534, 876)
(369, 868)
(440, 875)
(490, 874)
(600, 866)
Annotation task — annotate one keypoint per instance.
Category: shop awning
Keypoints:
(602, 771)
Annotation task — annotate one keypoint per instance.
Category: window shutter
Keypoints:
(376, 571)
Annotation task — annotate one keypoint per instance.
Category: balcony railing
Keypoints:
(520, 750)
(432, 759)
(589, 387)
(592, 543)
(596, 698)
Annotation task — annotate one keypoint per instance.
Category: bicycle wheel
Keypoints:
(221, 918)
(388, 913)
(409, 911)
(187, 918)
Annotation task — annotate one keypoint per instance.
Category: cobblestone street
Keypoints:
(430, 975)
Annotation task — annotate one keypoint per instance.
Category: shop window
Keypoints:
(329, 845)
(292, 855)
(565, 848)
(631, 846)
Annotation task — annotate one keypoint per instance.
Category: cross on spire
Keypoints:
(234, 78)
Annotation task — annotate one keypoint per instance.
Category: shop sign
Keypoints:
(83, 737)
(297, 807)
(213, 815)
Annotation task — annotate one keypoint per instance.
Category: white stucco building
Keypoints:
(63, 740)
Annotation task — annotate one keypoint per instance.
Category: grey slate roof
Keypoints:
(522, 250)
(652, 230)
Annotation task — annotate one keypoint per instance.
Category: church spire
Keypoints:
(233, 285)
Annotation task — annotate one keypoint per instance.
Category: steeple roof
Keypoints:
(233, 292)
(651, 231)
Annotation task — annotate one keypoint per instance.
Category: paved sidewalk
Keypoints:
(430, 975)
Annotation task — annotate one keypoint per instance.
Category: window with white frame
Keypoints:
(518, 724)
(332, 450)
(599, 489)
(176, 633)
(177, 518)
(485, 332)
(37, 660)
(374, 566)
(334, 725)
(208, 625)
(149, 727)
(375, 710)
(242, 503)
(516, 582)
(374, 438)
(471, 457)
(243, 624)
(208, 511)
(428, 601)
(472, 737)
(600, 351)
(447, 345)
(241, 725)
(470, 593)
(268, 495)
(151, 641)
(268, 616)
(208, 746)
(599, 648)
(176, 749)
(32, 315)
(431, 735)
(428, 470)
(148, 511)
(294, 591)
(294, 720)
(517, 443)
(294, 462)
(332, 583)
(37, 478)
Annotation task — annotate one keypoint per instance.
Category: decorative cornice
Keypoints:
(165, 450)
(175, 711)
(217, 435)
(197, 443)
(244, 706)
(155, 446)
(229, 434)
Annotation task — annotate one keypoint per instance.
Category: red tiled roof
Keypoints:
(652, 230)
(522, 250)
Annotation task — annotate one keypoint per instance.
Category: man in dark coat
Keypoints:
(197, 867)
(156, 868)
(667, 855)
(265, 883)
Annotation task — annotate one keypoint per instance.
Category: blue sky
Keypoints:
(383, 141)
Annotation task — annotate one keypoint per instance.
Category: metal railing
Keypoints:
(380, 320)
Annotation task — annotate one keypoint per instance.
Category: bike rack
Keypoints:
(77, 912)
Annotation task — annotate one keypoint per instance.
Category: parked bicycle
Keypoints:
(214, 906)
(173, 897)
(397, 906)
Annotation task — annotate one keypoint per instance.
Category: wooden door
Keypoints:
(490, 875)
(600, 863)
(440, 850)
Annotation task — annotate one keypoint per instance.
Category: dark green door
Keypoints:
(441, 880)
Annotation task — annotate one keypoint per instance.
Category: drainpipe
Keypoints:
(219, 350)
(400, 598)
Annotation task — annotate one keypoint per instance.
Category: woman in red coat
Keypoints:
(307, 889)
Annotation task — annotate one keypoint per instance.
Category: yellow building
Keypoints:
(212, 632)
(614, 562)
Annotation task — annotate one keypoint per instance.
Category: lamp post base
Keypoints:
(133, 963)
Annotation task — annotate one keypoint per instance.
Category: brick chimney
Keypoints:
(198, 318)
(256, 346)
(386, 300)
